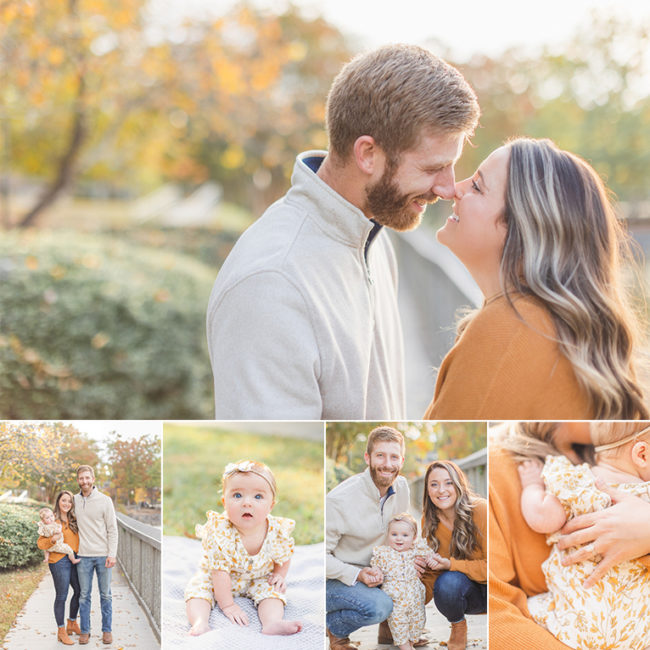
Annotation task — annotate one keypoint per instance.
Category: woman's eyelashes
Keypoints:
(475, 186)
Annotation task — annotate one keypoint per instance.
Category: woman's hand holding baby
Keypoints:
(279, 581)
(618, 533)
(236, 614)
(437, 562)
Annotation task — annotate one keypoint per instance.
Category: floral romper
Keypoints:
(223, 550)
(402, 584)
(615, 612)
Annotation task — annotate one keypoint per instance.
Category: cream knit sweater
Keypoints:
(303, 322)
(97, 524)
(356, 522)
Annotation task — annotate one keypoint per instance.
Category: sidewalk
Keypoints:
(437, 629)
(35, 627)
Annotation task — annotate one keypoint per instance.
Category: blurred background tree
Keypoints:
(113, 121)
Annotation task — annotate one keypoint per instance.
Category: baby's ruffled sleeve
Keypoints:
(573, 485)
(41, 530)
(378, 558)
(283, 543)
(217, 541)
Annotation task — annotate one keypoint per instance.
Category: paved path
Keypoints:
(437, 629)
(35, 628)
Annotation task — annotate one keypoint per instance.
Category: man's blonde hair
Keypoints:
(384, 433)
(85, 468)
(396, 94)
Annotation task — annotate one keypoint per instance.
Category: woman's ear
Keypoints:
(368, 156)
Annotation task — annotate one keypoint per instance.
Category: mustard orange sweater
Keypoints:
(505, 368)
(476, 567)
(69, 537)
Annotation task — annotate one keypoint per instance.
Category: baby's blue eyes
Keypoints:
(238, 495)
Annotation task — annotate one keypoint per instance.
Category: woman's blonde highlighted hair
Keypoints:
(565, 246)
(464, 537)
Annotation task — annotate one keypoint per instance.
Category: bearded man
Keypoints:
(357, 514)
(303, 321)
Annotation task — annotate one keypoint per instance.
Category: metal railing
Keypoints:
(139, 556)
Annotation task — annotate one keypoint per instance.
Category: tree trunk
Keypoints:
(66, 168)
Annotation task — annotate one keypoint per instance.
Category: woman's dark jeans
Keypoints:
(456, 595)
(64, 574)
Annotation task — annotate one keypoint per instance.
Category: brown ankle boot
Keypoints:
(458, 638)
(337, 643)
(62, 636)
(384, 636)
(73, 627)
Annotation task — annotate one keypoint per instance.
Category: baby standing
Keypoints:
(615, 612)
(401, 582)
(246, 552)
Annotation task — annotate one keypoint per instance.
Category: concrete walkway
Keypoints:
(436, 630)
(35, 627)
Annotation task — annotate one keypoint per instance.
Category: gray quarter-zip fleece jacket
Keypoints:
(97, 524)
(356, 521)
(303, 321)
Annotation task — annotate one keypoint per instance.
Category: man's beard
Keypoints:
(382, 481)
(389, 207)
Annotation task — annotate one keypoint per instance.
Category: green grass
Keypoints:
(193, 460)
(16, 586)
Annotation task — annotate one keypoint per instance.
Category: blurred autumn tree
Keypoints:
(134, 463)
(590, 97)
(44, 455)
(346, 442)
(90, 88)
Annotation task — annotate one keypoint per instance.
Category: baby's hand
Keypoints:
(236, 614)
(530, 473)
(279, 582)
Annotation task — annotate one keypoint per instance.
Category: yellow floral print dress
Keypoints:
(223, 550)
(402, 584)
(615, 612)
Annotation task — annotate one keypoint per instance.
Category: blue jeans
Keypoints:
(85, 569)
(456, 595)
(64, 574)
(349, 608)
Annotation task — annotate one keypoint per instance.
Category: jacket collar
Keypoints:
(372, 489)
(337, 217)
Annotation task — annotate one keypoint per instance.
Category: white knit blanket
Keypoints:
(305, 602)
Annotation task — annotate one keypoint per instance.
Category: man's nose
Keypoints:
(445, 184)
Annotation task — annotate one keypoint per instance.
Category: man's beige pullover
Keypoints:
(356, 521)
(303, 321)
(97, 524)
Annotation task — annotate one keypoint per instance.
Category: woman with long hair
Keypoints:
(454, 524)
(556, 337)
(64, 572)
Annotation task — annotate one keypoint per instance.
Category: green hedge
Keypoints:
(335, 473)
(18, 536)
(92, 327)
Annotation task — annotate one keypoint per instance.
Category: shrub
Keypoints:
(18, 536)
(335, 473)
(95, 328)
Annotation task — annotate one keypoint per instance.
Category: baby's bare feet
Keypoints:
(282, 627)
(199, 627)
